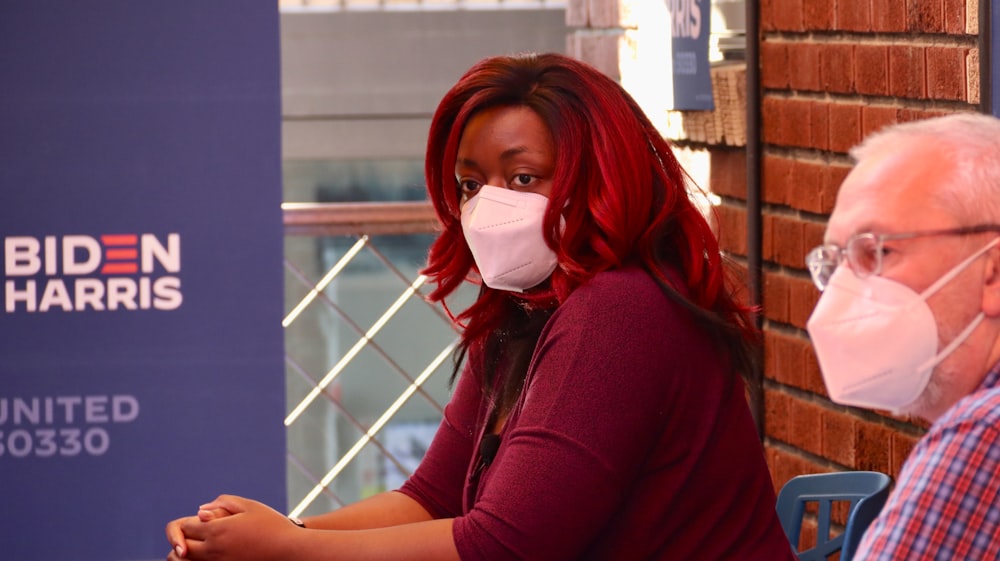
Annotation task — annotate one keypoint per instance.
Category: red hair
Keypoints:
(617, 186)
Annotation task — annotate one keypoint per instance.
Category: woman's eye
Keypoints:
(469, 187)
(522, 180)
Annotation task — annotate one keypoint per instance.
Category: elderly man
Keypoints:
(909, 321)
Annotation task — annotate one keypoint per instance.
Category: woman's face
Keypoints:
(507, 147)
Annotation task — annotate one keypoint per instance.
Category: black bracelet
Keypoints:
(297, 522)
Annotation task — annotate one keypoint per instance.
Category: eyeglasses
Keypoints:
(864, 251)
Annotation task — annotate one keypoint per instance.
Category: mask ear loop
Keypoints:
(957, 269)
(950, 347)
(964, 334)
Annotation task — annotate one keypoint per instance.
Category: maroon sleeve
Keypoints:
(438, 482)
(612, 363)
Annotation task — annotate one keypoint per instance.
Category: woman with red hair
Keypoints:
(599, 411)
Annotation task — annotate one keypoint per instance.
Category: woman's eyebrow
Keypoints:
(511, 152)
(466, 162)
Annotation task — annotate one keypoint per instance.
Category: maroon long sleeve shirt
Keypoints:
(632, 441)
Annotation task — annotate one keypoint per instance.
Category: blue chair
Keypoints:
(865, 490)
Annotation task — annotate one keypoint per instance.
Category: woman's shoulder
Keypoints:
(630, 293)
(622, 280)
(631, 284)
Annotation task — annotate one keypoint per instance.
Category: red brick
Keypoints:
(776, 300)
(839, 511)
(770, 117)
(788, 15)
(871, 69)
(787, 241)
(946, 72)
(805, 183)
(776, 421)
(812, 376)
(888, 16)
(804, 418)
(802, 297)
(776, 178)
(819, 125)
(907, 72)
(774, 66)
(732, 228)
(819, 15)
(803, 67)
(837, 67)
(796, 124)
(787, 465)
(807, 534)
(925, 16)
(902, 444)
(906, 115)
(954, 17)
(839, 431)
(845, 126)
(768, 10)
(803, 349)
(853, 15)
(771, 457)
(767, 15)
(728, 172)
(874, 444)
(770, 357)
(767, 234)
(875, 117)
(833, 177)
(812, 233)
(786, 358)
(786, 121)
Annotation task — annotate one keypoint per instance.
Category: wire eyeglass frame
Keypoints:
(864, 251)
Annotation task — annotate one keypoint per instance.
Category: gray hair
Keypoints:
(971, 142)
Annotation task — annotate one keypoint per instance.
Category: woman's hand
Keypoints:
(175, 536)
(231, 528)
(206, 514)
(228, 528)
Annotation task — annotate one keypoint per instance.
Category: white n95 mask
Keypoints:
(876, 339)
(504, 231)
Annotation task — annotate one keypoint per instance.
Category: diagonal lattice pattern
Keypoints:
(368, 361)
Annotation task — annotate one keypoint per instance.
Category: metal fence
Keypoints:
(368, 358)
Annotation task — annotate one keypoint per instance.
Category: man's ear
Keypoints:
(991, 281)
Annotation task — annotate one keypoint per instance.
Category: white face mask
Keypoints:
(876, 339)
(504, 231)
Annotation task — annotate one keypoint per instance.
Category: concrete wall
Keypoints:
(364, 84)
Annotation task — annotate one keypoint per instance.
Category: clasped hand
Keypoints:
(230, 528)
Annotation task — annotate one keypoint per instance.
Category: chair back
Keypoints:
(866, 491)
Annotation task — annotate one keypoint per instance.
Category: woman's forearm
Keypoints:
(421, 541)
(379, 511)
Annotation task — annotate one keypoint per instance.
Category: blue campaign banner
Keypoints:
(690, 68)
(141, 353)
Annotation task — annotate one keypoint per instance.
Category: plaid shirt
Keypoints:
(946, 504)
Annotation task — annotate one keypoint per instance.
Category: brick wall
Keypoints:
(831, 71)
